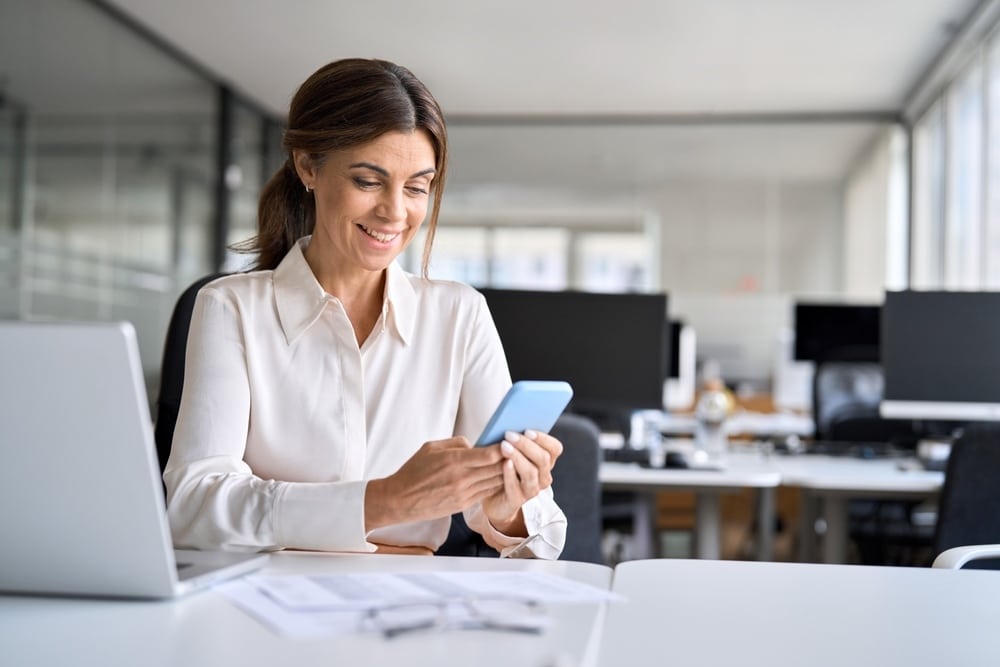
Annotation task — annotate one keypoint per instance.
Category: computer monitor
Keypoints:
(836, 331)
(674, 349)
(609, 347)
(941, 355)
(679, 388)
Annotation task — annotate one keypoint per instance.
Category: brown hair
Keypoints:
(342, 105)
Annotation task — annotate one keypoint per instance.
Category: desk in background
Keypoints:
(206, 629)
(688, 612)
(834, 480)
(743, 471)
(746, 424)
(827, 483)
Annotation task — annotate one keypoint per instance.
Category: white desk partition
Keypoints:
(685, 612)
(206, 629)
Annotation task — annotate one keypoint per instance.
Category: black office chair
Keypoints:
(577, 487)
(846, 397)
(577, 490)
(969, 506)
(172, 368)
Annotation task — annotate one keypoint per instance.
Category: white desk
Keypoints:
(744, 470)
(683, 612)
(834, 480)
(744, 422)
(206, 629)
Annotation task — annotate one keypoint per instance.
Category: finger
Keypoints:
(478, 457)
(483, 477)
(552, 445)
(512, 485)
(483, 489)
(527, 473)
(534, 452)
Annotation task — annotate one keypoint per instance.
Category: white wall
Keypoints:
(736, 255)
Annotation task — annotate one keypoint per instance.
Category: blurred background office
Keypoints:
(738, 155)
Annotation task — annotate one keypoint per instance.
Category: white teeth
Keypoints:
(378, 236)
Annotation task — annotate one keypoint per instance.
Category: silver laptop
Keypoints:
(82, 510)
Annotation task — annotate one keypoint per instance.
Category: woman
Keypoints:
(329, 397)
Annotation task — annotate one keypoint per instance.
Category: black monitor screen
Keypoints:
(844, 332)
(673, 344)
(609, 347)
(941, 354)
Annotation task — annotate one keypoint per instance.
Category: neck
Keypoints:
(360, 292)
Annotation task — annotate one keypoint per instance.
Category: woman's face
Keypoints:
(372, 199)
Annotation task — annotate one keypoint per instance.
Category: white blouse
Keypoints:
(283, 419)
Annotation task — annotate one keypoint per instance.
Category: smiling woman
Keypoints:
(339, 110)
(369, 203)
(329, 397)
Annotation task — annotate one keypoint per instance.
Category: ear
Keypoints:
(305, 168)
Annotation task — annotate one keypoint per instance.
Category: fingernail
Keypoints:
(511, 436)
(506, 447)
(530, 434)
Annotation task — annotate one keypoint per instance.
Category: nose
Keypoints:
(391, 205)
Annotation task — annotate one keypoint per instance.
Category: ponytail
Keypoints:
(285, 214)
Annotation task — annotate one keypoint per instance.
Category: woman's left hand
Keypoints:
(526, 471)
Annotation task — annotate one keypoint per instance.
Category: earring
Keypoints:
(308, 189)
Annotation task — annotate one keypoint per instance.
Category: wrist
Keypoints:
(512, 527)
(378, 511)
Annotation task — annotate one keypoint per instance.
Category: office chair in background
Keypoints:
(575, 478)
(846, 397)
(969, 506)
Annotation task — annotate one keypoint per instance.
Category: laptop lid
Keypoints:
(82, 504)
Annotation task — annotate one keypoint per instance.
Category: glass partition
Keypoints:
(109, 166)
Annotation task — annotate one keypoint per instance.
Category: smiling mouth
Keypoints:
(377, 235)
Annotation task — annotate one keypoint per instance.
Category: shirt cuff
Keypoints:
(321, 516)
(545, 524)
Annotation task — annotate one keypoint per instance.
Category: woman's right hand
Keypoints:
(443, 477)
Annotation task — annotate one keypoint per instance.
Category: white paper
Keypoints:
(331, 604)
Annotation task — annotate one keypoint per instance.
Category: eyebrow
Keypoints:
(380, 170)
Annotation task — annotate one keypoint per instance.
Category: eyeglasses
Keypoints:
(502, 615)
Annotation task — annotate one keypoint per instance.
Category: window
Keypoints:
(548, 256)
(963, 217)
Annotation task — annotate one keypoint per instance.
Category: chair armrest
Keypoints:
(956, 557)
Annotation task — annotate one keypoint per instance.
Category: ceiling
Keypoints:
(597, 96)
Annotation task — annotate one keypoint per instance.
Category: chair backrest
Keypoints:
(172, 369)
(577, 489)
(969, 507)
(846, 397)
(845, 390)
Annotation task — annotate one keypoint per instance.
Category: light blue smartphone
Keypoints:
(529, 404)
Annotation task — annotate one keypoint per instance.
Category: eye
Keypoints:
(416, 190)
(365, 184)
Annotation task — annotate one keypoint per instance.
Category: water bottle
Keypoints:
(710, 439)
